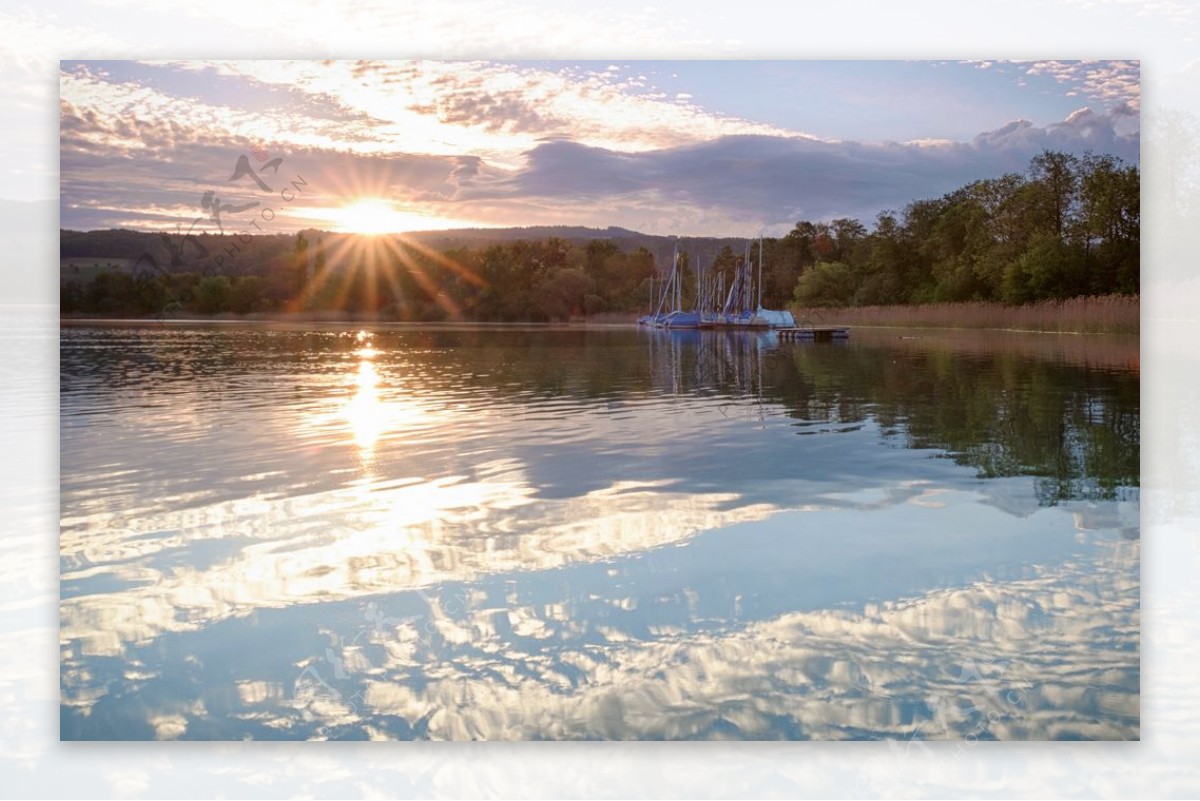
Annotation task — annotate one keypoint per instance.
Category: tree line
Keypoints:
(1069, 226)
(1066, 227)
(541, 280)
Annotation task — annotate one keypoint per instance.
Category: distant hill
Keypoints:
(623, 238)
(251, 257)
(571, 232)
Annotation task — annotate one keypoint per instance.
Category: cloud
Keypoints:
(1107, 83)
(494, 109)
(1082, 130)
(499, 144)
(409, 131)
(774, 181)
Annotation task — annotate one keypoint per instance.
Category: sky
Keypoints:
(702, 148)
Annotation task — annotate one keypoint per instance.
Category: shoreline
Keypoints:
(306, 319)
(1077, 317)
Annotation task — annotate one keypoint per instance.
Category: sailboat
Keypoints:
(670, 290)
(769, 318)
(686, 319)
(743, 306)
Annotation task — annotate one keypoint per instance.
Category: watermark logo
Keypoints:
(147, 268)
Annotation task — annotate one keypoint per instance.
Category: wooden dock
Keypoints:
(810, 334)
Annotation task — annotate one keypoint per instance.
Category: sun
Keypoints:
(373, 216)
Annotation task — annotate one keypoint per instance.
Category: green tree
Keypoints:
(848, 235)
(1110, 223)
(561, 296)
(213, 293)
(1048, 269)
(1055, 174)
(246, 295)
(828, 283)
(958, 249)
(885, 264)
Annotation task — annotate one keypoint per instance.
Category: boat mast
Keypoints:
(678, 285)
(666, 290)
(744, 299)
(760, 261)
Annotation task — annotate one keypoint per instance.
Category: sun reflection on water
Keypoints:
(365, 412)
(376, 408)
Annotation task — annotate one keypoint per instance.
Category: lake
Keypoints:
(335, 532)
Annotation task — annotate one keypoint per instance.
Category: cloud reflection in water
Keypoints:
(438, 536)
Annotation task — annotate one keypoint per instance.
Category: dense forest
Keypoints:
(1068, 226)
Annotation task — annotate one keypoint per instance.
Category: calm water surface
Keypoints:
(506, 533)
